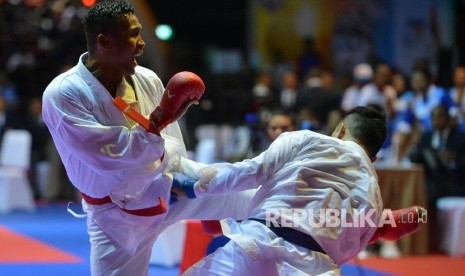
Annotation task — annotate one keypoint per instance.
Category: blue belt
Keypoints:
(293, 236)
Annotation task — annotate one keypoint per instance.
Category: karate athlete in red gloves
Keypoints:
(119, 166)
(317, 202)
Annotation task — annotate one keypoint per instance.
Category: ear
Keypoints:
(340, 131)
(103, 41)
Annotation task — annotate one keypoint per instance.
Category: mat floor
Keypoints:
(50, 241)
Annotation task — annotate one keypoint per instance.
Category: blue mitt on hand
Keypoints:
(184, 183)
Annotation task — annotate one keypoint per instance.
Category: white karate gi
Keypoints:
(105, 156)
(301, 170)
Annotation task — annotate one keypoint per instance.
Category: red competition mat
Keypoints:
(17, 248)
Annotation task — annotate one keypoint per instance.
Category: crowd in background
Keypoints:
(38, 40)
(426, 121)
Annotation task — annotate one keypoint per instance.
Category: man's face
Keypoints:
(383, 75)
(128, 44)
(419, 82)
(439, 118)
(279, 124)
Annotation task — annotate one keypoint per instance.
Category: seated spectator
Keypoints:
(423, 97)
(413, 110)
(279, 121)
(379, 91)
(441, 151)
(320, 98)
(399, 83)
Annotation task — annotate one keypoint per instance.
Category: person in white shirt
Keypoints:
(120, 167)
(363, 74)
(302, 174)
(380, 91)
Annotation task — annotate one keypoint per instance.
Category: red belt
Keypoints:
(145, 212)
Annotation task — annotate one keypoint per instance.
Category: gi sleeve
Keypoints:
(222, 178)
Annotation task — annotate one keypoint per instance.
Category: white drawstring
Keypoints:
(76, 215)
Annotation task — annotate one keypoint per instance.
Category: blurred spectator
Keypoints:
(22, 66)
(457, 94)
(309, 58)
(279, 121)
(441, 151)
(40, 139)
(23, 58)
(8, 118)
(380, 90)
(399, 83)
(36, 38)
(382, 95)
(8, 91)
(306, 119)
(264, 94)
(413, 110)
(335, 116)
(418, 102)
(320, 97)
(363, 74)
(278, 67)
(288, 91)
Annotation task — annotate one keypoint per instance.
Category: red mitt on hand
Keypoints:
(182, 90)
(406, 221)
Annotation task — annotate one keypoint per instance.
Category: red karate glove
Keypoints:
(407, 221)
(182, 90)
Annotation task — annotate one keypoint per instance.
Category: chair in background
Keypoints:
(15, 154)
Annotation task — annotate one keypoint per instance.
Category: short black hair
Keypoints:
(103, 17)
(285, 113)
(368, 126)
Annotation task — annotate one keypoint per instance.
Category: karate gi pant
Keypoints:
(265, 254)
(109, 257)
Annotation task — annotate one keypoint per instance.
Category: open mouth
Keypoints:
(134, 57)
(139, 54)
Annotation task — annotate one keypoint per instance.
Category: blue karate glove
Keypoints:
(184, 183)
